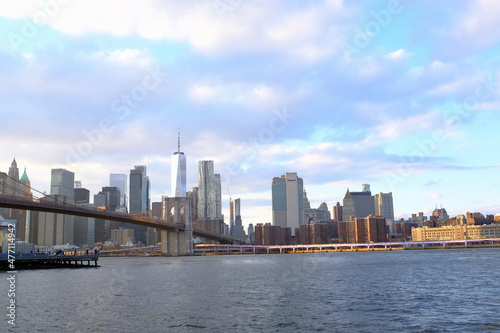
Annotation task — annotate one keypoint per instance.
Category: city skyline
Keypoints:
(377, 208)
(399, 95)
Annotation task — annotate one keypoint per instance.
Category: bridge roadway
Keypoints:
(60, 207)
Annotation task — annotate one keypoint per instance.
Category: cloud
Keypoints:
(126, 57)
(435, 196)
(396, 55)
(261, 88)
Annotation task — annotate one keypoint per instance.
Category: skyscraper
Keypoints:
(25, 185)
(178, 172)
(384, 205)
(113, 196)
(139, 197)
(231, 217)
(85, 227)
(13, 180)
(288, 201)
(11, 184)
(54, 229)
(82, 195)
(120, 180)
(209, 192)
(358, 204)
(238, 230)
(218, 197)
(62, 183)
(139, 189)
(337, 212)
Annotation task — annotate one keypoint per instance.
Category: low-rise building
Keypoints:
(456, 232)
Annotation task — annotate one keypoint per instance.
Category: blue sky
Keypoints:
(403, 95)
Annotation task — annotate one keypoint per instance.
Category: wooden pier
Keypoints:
(48, 261)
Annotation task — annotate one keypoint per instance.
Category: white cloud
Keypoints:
(478, 26)
(126, 57)
(246, 26)
(201, 93)
(435, 196)
(396, 55)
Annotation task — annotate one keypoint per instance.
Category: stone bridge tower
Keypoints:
(178, 210)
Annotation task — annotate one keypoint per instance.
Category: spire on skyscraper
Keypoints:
(178, 141)
(24, 177)
(178, 171)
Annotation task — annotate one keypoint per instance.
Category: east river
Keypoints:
(394, 291)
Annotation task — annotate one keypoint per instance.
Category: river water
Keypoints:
(394, 291)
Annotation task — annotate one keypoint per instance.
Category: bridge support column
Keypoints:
(176, 243)
(179, 242)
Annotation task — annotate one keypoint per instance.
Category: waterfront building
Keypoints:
(120, 180)
(288, 201)
(358, 204)
(312, 233)
(456, 232)
(178, 172)
(316, 233)
(268, 234)
(404, 229)
(363, 230)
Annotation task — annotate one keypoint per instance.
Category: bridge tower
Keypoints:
(180, 242)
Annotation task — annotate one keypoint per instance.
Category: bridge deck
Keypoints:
(60, 207)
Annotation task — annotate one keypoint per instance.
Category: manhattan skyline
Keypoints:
(404, 98)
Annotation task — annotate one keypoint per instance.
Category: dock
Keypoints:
(41, 261)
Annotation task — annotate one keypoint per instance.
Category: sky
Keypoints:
(401, 95)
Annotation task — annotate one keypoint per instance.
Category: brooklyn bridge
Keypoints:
(177, 230)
